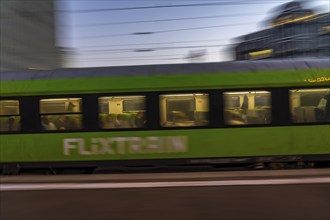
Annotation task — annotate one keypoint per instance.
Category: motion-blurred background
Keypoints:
(49, 34)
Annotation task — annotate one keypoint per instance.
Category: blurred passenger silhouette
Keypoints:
(46, 124)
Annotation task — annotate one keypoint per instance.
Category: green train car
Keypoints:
(221, 114)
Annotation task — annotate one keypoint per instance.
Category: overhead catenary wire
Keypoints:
(147, 0)
(162, 31)
(164, 20)
(148, 49)
(145, 57)
(36, 13)
(140, 58)
(83, 47)
(167, 0)
(133, 57)
(242, 2)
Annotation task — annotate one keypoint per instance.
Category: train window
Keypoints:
(61, 114)
(122, 112)
(233, 102)
(247, 107)
(61, 105)
(10, 119)
(184, 110)
(310, 105)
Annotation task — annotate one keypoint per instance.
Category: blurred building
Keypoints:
(293, 32)
(27, 35)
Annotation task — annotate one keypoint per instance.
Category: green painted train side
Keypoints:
(188, 144)
(297, 140)
(166, 82)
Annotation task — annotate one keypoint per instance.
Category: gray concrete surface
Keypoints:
(257, 202)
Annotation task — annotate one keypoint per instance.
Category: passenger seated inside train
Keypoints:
(68, 122)
(61, 122)
(140, 120)
(178, 119)
(11, 124)
(258, 116)
(201, 118)
(125, 121)
(47, 124)
(110, 121)
(318, 111)
(234, 118)
(74, 123)
(322, 110)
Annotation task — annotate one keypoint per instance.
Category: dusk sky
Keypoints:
(134, 32)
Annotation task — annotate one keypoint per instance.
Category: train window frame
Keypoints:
(132, 120)
(280, 109)
(236, 114)
(312, 117)
(72, 120)
(11, 118)
(188, 124)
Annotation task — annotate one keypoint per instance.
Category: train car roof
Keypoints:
(170, 69)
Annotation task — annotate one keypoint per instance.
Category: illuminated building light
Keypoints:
(261, 53)
(326, 28)
(288, 20)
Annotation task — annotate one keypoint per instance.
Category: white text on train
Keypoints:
(125, 145)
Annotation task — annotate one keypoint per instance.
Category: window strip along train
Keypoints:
(217, 114)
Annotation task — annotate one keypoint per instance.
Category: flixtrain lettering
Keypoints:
(125, 145)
